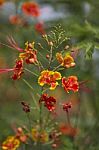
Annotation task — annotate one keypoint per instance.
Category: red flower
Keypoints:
(70, 84)
(39, 27)
(17, 70)
(67, 106)
(49, 102)
(31, 8)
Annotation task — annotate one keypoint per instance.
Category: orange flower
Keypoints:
(11, 143)
(31, 8)
(70, 84)
(66, 129)
(66, 61)
(29, 55)
(49, 78)
(39, 136)
(15, 20)
(1, 2)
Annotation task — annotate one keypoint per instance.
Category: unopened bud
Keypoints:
(47, 56)
(66, 47)
(50, 43)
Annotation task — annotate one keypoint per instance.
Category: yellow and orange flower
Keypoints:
(31, 8)
(11, 143)
(49, 78)
(70, 84)
(39, 136)
(66, 61)
(29, 55)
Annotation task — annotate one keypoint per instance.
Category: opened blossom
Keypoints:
(49, 78)
(70, 84)
(11, 143)
(29, 55)
(17, 70)
(49, 102)
(66, 61)
(31, 9)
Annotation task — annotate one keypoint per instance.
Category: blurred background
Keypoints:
(80, 20)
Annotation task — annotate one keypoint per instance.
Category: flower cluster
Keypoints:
(44, 129)
(30, 9)
(13, 142)
(28, 56)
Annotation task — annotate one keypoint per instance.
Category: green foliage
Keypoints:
(89, 50)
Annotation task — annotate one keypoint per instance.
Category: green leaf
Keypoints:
(89, 50)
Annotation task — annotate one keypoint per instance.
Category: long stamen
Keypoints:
(5, 70)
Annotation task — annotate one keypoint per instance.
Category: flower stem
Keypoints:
(57, 67)
(50, 58)
(31, 72)
(68, 118)
(28, 84)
